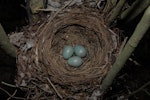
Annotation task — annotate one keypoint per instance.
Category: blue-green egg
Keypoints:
(67, 51)
(75, 61)
(80, 51)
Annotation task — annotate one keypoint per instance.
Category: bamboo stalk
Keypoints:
(113, 2)
(116, 11)
(137, 7)
(5, 44)
(137, 35)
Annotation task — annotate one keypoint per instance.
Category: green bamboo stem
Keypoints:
(137, 7)
(5, 44)
(110, 4)
(113, 2)
(137, 35)
(116, 11)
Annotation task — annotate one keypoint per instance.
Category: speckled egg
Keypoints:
(75, 61)
(80, 51)
(67, 51)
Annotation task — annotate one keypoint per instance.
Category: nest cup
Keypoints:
(42, 68)
(79, 26)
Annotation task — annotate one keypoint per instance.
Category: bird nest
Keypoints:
(43, 67)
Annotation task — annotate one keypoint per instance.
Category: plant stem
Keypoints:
(109, 5)
(116, 11)
(132, 43)
(5, 44)
(137, 7)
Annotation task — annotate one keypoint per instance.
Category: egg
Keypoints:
(80, 51)
(75, 61)
(67, 52)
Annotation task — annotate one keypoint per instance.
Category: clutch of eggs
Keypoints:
(79, 51)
